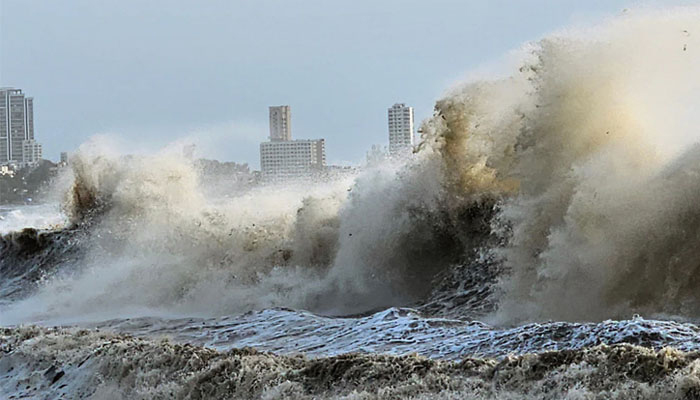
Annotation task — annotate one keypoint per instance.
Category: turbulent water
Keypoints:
(541, 242)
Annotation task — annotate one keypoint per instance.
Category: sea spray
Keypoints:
(566, 190)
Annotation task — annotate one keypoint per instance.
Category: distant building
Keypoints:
(280, 123)
(335, 172)
(400, 118)
(7, 170)
(17, 127)
(64, 157)
(283, 158)
(289, 159)
(31, 152)
(376, 155)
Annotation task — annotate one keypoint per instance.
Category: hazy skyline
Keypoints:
(150, 73)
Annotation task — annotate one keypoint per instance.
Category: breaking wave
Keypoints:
(591, 145)
(568, 190)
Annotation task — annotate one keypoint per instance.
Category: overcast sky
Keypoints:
(153, 72)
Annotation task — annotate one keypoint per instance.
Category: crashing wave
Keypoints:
(567, 191)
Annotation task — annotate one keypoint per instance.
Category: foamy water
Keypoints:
(40, 216)
(541, 212)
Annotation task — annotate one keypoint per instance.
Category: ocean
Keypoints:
(539, 243)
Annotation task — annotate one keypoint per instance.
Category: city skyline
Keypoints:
(157, 83)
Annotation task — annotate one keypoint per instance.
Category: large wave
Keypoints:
(158, 245)
(566, 190)
(591, 143)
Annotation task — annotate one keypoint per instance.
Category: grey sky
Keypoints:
(151, 72)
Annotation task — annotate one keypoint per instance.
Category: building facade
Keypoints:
(280, 123)
(283, 158)
(17, 127)
(400, 119)
(292, 159)
(376, 155)
(31, 152)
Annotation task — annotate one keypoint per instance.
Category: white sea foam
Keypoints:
(41, 216)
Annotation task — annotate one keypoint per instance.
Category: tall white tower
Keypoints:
(400, 129)
(280, 123)
(16, 124)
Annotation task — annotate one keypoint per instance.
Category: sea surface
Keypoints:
(541, 242)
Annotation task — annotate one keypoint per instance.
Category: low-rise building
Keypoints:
(31, 152)
(291, 159)
(283, 158)
(7, 170)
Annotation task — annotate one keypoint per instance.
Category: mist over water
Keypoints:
(567, 191)
(578, 173)
(41, 216)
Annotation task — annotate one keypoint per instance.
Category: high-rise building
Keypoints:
(283, 158)
(400, 129)
(280, 123)
(17, 127)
